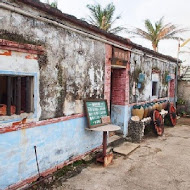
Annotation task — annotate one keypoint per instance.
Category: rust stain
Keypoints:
(24, 121)
(6, 52)
(16, 123)
(30, 56)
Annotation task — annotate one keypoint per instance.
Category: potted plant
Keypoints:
(184, 113)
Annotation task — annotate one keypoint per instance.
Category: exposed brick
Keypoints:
(26, 48)
(172, 88)
(20, 125)
(6, 53)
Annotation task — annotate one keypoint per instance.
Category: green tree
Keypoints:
(104, 17)
(158, 31)
(53, 4)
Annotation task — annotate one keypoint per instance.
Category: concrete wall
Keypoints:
(120, 117)
(55, 143)
(71, 69)
(20, 63)
(154, 70)
(183, 93)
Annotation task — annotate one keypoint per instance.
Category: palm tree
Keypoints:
(53, 4)
(158, 31)
(104, 17)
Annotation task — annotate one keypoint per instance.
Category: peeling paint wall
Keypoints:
(55, 143)
(71, 69)
(183, 94)
(152, 69)
(21, 64)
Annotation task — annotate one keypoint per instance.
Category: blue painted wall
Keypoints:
(55, 143)
(119, 116)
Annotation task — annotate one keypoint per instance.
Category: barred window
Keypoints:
(16, 95)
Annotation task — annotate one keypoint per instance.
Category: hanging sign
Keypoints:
(120, 57)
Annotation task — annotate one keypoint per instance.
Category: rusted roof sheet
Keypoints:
(62, 16)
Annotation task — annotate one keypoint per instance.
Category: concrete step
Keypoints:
(126, 148)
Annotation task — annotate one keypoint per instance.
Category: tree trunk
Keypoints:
(155, 47)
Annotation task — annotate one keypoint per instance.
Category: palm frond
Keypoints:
(158, 31)
(149, 26)
(117, 29)
(103, 17)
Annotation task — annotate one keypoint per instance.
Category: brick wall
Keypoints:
(119, 83)
(172, 89)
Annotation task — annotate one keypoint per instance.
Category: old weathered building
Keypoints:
(49, 63)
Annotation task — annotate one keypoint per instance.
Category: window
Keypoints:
(16, 95)
(154, 88)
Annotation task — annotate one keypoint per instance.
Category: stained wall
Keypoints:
(154, 70)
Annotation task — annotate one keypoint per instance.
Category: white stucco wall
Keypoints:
(17, 64)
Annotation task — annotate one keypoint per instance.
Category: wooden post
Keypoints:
(28, 94)
(18, 95)
(104, 143)
(9, 87)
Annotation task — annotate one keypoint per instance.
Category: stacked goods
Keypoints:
(144, 111)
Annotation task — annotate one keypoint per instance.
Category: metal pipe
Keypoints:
(77, 30)
(37, 161)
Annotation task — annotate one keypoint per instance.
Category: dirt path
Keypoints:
(161, 163)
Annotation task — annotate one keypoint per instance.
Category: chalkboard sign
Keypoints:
(95, 110)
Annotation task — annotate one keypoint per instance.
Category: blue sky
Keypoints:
(134, 12)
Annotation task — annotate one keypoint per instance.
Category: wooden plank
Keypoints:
(18, 95)
(9, 87)
(28, 94)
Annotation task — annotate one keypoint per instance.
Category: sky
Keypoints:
(134, 12)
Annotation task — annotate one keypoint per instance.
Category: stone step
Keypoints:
(126, 148)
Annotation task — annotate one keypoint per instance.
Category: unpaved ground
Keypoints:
(159, 163)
